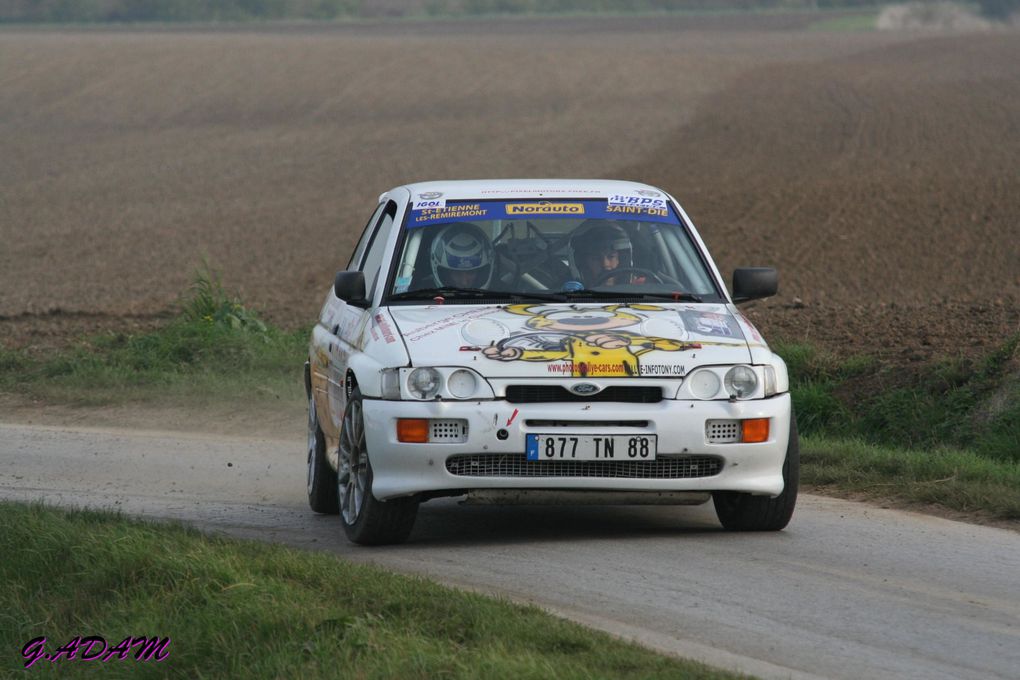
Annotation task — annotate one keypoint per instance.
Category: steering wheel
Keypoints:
(610, 273)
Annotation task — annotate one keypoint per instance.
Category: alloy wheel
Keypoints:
(352, 480)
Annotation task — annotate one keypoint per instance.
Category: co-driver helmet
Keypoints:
(595, 236)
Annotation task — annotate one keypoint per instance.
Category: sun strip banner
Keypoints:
(471, 211)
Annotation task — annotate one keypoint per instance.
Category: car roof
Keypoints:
(477, 189)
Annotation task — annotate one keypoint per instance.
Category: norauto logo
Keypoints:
(545, 208)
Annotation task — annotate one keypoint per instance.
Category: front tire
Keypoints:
(744, 512)
(366, 520)
(321, 477)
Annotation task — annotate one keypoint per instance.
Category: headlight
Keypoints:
(427, 383)
(462, 383)
(703, 384)
(424, 383)
(741, 382)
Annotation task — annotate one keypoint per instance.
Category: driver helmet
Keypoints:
(594, 237)
(461, 247)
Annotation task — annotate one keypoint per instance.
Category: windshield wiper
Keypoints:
(529, 295)
(444, 292)
(675, 296)
(452, 293)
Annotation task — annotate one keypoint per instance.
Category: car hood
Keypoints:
(539, 340)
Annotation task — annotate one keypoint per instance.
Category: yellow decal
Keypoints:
(545, 208)
(584, 342)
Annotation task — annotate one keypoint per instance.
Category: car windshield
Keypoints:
(560, 249)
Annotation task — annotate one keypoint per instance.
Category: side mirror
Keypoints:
(350, 287)
(753, 283)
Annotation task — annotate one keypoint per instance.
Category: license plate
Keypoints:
(590, 447)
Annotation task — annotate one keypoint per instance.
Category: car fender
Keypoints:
(381, 346)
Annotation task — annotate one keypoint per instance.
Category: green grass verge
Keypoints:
(945, 435)
(954, 479)
(962, 403)
(244, 609)
(215, 349)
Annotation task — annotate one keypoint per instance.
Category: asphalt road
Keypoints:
(847, 591)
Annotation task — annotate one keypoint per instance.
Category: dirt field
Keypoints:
(878, 171)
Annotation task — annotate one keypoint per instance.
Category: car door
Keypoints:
(342, 324)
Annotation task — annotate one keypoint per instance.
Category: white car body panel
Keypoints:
(404, 469)
(447, 335)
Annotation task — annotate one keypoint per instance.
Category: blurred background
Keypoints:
(869, 151)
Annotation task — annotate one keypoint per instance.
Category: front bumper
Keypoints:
(401, 469)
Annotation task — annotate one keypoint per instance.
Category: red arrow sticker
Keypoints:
(511, 418)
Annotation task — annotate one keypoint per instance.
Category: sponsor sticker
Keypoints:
(710, 323)
(384, 327)
(656, 202)
(450, 213)
(545, 208)
(429, 200)
(663, 370)
(470, 211)
(575, 191)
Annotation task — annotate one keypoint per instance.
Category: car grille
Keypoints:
(517, 465)
(533, 394)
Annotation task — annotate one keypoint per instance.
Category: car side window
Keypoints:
(377, 248)
(366, 238)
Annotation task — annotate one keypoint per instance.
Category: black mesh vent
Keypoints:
(586, 423)
(518, 465)
(534, 394)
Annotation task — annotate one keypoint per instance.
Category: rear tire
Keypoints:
(367, 520)
(739, 511)
(321, 477)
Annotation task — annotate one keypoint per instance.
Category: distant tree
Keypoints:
(998, 9)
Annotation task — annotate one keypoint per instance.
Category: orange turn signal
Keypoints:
(754, 430)
(413, 430)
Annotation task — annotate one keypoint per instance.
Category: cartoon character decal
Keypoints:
(589, 339)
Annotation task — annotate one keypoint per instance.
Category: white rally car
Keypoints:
(542, 341)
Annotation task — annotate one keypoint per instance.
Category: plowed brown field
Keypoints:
(880, 172)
